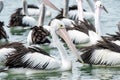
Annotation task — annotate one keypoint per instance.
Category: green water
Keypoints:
(79, 72)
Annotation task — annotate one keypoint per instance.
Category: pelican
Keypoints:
(104, 53)
(95, 32)
(39, 34)
(3, 34)
(33, 10)
(73, 11)
(84, 32)
(18, 19)
(72, 27)
(16, 55)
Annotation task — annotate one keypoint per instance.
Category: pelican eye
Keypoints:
(61, 26)
(101, 5)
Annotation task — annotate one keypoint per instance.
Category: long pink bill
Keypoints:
(62, 33)
(47, 2)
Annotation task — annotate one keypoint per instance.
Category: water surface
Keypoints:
(79, 72)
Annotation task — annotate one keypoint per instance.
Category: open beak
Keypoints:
(1, 5)
(63, 34)
(47, 2)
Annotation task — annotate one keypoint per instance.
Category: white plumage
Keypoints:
(73, 14)
(29, 21)
(94, 37)
(4, 52)
(46, 27)
(78, 37)
(105, 56)
(68, 22)
(38, 59)
(117, 42)
(33, 12)
(32, 57)
(36, 12)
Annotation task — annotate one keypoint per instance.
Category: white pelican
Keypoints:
(105, 53)
(73, 12)
(94, 34)
(16, 55)
(80, 30)
(33, 10)
(3, 35)
(18, 19)
(39, 34)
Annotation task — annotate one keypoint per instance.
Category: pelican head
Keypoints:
(57, 24)
(1, 5)
(99, 4)
(58, 27)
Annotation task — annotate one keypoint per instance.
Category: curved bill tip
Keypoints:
(105, 9)
(47, 2)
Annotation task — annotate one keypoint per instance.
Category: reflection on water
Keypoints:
(79, 72)
(100, 73)
(83, 73)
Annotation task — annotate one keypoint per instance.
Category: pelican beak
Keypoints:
(66, 8)
(48, 3)
(41, 15)
(63, 34)
(103, 7)
(1, 5)
(25, 7)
